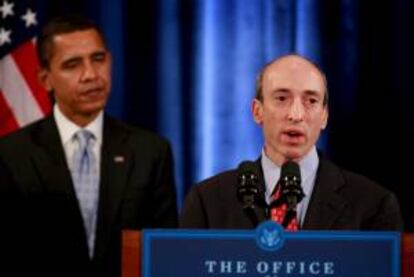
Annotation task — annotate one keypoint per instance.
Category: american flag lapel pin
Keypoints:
(119, 159)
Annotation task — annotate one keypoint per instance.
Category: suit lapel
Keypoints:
(115, 163)
(326, 203)
(49, 160)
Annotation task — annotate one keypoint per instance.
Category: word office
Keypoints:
(274, 268)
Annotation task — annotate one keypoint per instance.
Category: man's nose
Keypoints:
(296, 111)
(89, 72)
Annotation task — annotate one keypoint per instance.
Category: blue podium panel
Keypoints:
(268, 251)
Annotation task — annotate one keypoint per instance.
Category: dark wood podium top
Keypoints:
(131, 254)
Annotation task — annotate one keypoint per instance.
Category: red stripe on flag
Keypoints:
(26, 60)
(7, 121)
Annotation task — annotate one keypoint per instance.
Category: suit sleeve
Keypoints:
(165, 207)
(13, 230)
(11, 199)
(388, 216)
(193, 213)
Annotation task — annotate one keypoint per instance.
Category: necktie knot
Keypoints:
(85, 138)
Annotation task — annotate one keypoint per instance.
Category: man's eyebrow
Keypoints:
(72, 59)
(79, 58)
(99, 53)
(312, 93)
(277, 90)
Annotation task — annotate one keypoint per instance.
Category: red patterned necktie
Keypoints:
(279, 212)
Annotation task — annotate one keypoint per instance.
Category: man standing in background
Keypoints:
(73, 181)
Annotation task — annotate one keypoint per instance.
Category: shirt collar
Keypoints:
(67, 128)
(308, 167)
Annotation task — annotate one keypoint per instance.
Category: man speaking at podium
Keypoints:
(291, 182)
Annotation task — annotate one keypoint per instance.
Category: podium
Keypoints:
(132, 254)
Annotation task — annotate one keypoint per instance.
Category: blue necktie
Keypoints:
(85, 177)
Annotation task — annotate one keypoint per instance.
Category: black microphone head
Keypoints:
(248, 183)
(290, 181)
(290, 169)
(248, 167)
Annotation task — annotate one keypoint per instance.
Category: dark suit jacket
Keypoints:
(341, 200)
(40, 208)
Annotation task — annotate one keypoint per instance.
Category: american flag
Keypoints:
(22, 98)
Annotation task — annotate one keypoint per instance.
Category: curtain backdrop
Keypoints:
(187, 69)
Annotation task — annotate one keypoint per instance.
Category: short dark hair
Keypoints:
(62, 24)
(259, 79)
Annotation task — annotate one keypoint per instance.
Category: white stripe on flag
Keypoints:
(17, 93)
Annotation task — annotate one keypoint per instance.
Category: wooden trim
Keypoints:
(407, 254)
(131, 253)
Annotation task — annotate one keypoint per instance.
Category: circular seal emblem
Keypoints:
(269, 236)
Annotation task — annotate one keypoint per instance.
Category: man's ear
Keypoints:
(43, 76)
(257, 111)
(325, 118)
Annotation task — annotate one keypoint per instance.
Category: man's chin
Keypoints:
(294, 155)
(92, 108)
(91, 111)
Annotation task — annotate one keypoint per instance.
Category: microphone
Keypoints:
(291, 192)
(248, 190)
(290, 185)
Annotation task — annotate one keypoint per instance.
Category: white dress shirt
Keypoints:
(67, 129)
